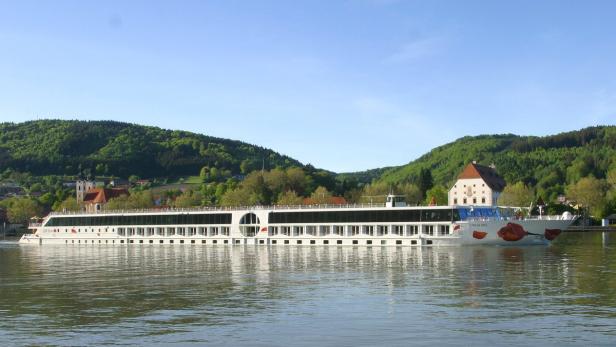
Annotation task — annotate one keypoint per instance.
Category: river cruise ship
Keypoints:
(391, 224)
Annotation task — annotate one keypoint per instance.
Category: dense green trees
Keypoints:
(70, 204)
(136, 200)
(20, 210)
(589, 193)
(289, 198)
(518, 194)
(104, 147)
(438, 195)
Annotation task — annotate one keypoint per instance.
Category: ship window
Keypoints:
(299, 242)
(369, 242)
(286, 242)
(312, 242)
(339, 242)
(261, 242)
(249, 218)
(355, 242)
(326, 242)
(274, 242)
(398, 242)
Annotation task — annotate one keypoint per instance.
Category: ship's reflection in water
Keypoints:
(282, 295)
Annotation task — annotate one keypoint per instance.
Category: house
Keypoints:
(142, 183)
(96, 198)
(120, 183)
(611, 219)
(477, 185)
(11, 189)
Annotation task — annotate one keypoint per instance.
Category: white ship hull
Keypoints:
(456, 233)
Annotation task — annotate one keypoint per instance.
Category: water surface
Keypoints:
(560, 295)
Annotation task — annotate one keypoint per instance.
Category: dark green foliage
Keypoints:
(547, 163)
(57, 147)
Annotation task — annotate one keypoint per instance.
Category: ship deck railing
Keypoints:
(229, 208)
(515, 218)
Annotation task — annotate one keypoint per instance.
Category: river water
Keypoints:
(560, 295)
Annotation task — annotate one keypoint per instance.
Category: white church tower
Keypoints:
(82, 187)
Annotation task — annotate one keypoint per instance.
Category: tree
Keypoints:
(321, 196)
(204, 174)
(36, 188)
(189, 199)
(100, 169)
(254, 183)
(70, 204)
(20, 210)
(289, 198)
(517, 194)
(425, 180)
(133, 178)
(375, 192)
(236, 197)
(412, 193)
(47, 199)
(589, 193)
(276, 181)
(439, 194)
(611, 177)
(297, 180)
(137, 200)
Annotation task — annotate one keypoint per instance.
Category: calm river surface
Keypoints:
(560, 295)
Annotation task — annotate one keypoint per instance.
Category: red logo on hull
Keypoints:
(479, 234)
(512, 232)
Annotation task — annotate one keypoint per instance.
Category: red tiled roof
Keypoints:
(337, 200)
(102, 195)
(486, 173)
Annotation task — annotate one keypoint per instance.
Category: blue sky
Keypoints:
(343, 85)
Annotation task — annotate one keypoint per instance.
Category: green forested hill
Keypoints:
(46, 147)
(547, 163)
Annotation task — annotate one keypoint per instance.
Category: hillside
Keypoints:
(548, 163)
(45, 147)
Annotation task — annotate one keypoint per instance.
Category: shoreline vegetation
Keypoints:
(40, 160)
